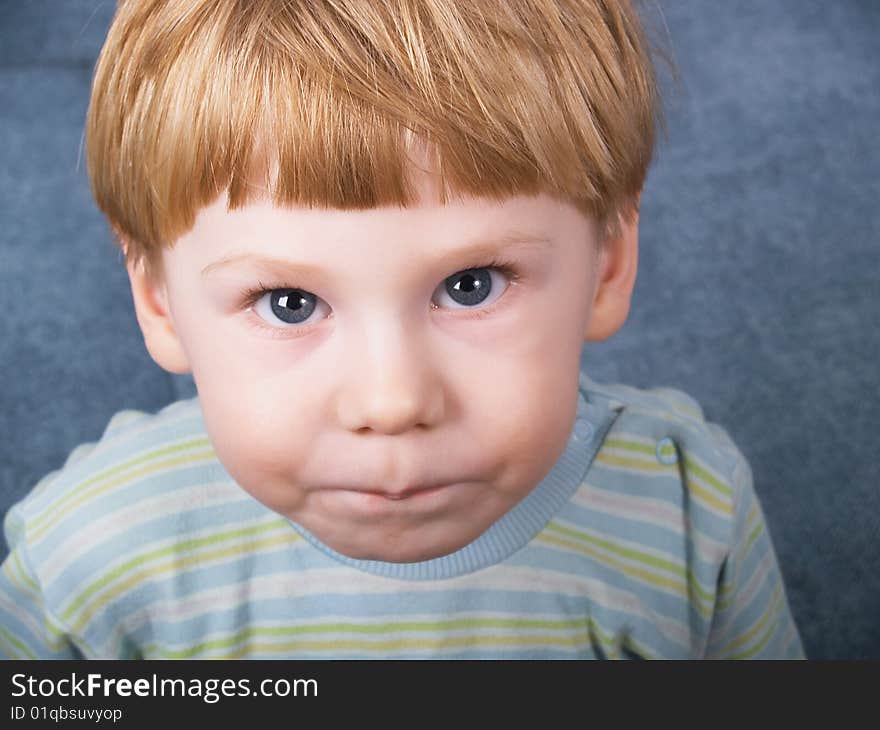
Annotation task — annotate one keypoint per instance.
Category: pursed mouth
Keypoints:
(407, 493)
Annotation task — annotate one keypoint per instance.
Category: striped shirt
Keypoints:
(646, 540)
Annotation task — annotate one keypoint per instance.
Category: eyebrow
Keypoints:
(473, 251)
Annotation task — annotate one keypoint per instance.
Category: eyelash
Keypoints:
(251, 295)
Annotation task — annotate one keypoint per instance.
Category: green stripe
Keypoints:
(650, 579)
(757, 648)
(23, 574)
(651, 450)
(112, 471)
(14, 641)
(159, 468)
(706, 596)
(20, 579)
(54, 640)
(701, 494)
(710, 479)
(180, 564)
(588, 626)
(688, 575)
(7, 648)
(49, 517)
(751, 540)
(630, 553)
(637, 648)
(141, 559)
(726, 594)
(770, 612)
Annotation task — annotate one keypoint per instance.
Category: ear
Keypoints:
(154, 317)
(618, 263)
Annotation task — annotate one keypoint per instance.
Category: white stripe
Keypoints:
(591, 538)
(26, 618)
(344, 581)
(158, 422)
(651, 511)
(236, 541)
(662, 476)
(537, 634)
(417, 634)
(122, 520)
(95, 476)
(746, 594)
(651, 443)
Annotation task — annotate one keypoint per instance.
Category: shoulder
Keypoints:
(139, 518)
(149, 475)
(135, 447)
(661, 446)
(663, 497)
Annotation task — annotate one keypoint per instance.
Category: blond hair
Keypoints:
(314, 103)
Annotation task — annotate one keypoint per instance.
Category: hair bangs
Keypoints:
(322, 104)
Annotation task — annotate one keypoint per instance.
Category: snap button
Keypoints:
(583, 430)
(667, 453)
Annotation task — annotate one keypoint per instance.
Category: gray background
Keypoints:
(758, 289)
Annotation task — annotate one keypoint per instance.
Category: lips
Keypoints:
(405, 494)
(395, 496)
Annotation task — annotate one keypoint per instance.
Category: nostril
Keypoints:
(390, 407)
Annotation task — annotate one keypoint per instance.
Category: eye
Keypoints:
(286, 306)
(472, 287)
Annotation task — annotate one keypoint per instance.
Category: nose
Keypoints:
(391, 385)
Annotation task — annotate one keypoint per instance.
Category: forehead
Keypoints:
(437, 220)
(426, 227)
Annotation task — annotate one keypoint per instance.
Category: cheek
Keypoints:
(261, 399)
(526, 408)
(537, 371)
(261, 447)
(259, 428)
(240, 428)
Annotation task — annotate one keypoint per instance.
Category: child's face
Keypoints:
(393, 418)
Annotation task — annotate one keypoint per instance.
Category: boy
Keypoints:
(377, 234)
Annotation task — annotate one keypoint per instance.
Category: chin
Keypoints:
(402, 553)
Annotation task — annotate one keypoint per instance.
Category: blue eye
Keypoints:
(471, 287)
(290, 306)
